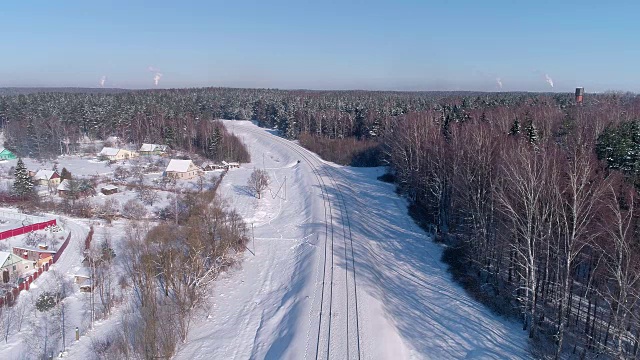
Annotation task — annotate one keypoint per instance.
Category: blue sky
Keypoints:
(399, 45)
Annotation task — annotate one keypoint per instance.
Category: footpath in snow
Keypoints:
(326, 282)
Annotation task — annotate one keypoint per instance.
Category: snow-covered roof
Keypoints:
(83, 272)
(29, 248)
(152, 147)
(3, 257)
(64, 185)
(179, 165)
(147, 147)
(44, 174)
(109, 187)
(109, 151)
(234, 163)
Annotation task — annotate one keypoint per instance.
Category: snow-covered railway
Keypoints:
(338, 324)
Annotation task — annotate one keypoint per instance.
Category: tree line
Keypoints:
(540, 222)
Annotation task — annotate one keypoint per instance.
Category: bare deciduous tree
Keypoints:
(258, 182)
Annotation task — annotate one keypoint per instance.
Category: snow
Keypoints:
(109, 151)
(147, 147)
(179, 165)
(44, 174)
(314, 223)
(18, 344)
(408, 307)
(4, 255)
(64, 185)
(152, 147)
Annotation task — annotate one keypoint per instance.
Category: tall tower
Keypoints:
(579, 95)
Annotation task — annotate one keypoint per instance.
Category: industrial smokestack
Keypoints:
(579, 95)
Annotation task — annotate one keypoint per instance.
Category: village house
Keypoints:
(109, 189)
(83, 279)
(82, 188)
(10, 265)
(115, 154)
(230, 165)
(182, 169)
(46, 178)
(63, 188)
(207, 166)
(153, 149)
(37, 256)
(6, 154)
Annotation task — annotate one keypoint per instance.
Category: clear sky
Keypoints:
(399, 45)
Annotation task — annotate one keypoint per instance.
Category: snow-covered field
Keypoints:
(359, 257)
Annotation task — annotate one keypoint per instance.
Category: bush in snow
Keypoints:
(148, 196)
(133, 209)
(47, 301)
(121, 174)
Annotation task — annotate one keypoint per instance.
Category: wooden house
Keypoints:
(230, 165)
(109, 189)
(46, 178)
(182, 169)
(153, 149)
(11, 264)
(6, 154)
(115, 154)
(207, 166)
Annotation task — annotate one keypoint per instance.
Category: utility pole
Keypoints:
(285, 188)
(263, 164)
(176, 195)
(64, 345)
(253, 236)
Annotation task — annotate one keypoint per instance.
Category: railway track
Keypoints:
(338, 329)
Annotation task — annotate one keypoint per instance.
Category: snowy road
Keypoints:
(340, 272)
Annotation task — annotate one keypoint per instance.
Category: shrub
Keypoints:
(47, 301)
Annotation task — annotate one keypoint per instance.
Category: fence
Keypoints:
(61, 249)
(26, 229)
(20, 216)
(11, 296)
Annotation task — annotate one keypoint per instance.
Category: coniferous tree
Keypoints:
(22, 185)
(214, 143)
(65, 174)
(531, 132)
(169, 136)
(515, 128)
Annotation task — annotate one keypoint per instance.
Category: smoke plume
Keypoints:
(103, 79)
(499, 81)
(548, 79)
(157, 75)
